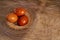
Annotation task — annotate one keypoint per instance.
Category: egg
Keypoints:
(23, 20)
(11, 17)
(19, 11)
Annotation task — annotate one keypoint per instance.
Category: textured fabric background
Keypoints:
(46, 25)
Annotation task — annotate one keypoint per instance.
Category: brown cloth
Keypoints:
(45, 24)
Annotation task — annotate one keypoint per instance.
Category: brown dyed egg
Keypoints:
(12, 17)
(23, 20)
(19, 11)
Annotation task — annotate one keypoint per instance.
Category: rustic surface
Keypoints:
(46, 16)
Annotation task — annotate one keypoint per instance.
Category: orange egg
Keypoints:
(19, 11)
(12, 17)
(23, 20)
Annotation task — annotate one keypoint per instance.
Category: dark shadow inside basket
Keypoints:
(7, 7)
